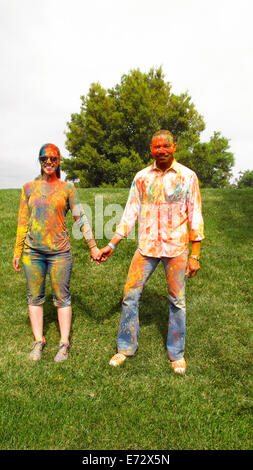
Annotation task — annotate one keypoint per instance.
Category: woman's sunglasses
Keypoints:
(43, 159)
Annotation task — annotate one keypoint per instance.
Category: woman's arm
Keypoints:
(82, 222)
(23, 223)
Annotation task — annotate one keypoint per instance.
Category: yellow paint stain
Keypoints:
(27, 260)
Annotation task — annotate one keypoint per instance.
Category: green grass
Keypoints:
(84, 403)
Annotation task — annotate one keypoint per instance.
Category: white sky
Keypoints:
(52, 50)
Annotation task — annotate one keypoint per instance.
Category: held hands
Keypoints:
(105, 253)
(94, 254)
(100, 255)
(15, 264)
(192, 267)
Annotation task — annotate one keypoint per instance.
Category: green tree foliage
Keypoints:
(109, 140)
(245, 179)
(210, 160)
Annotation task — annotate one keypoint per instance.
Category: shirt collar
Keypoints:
(174, 167)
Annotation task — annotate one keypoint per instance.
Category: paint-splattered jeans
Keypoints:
(59, 266)
(140, 270)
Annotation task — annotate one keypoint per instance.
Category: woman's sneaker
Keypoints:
(37, 348)
(62, 353)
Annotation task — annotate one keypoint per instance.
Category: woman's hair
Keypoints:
(51, 149)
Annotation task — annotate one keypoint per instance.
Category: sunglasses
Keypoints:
(44, 159)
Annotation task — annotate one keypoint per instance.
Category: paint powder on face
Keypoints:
(49, 150)
(162, 143)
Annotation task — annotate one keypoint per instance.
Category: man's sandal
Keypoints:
(179, 366)
(117, 360)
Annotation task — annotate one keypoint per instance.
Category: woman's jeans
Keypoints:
(140, 271)
(59, 266)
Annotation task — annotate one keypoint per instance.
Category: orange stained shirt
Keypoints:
(165, 203)
(41, 220)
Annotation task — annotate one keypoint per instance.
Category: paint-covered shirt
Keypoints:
(165, 203)
(41, 220)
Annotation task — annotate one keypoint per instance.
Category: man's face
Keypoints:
(163, 148)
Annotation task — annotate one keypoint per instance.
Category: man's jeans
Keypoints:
(140, 271)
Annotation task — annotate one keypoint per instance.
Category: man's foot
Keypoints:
(179, 366)
(62, 353)
(37, 348)
(117, 360)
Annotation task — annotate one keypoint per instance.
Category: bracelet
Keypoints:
(113, 247)
(195, 257)
(93, 246)
(91, 243)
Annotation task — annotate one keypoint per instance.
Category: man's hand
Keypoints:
(192, 267)
(105, 253)
(94, 254)
(15, 264)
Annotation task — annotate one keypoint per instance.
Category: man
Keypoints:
(166, 197)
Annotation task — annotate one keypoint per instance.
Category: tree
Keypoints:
(109, 140)
(245, 179)
(210, 160)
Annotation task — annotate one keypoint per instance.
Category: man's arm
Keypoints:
(196, 226)
(128, 220)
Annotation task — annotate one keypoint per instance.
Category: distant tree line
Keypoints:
(109, 139)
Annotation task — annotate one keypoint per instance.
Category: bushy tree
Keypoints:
(109, 140)
(210, 160)
(245, 179)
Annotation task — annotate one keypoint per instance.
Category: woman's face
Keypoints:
(49, 164)
(49, 159)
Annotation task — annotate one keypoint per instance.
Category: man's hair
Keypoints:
(164, 132)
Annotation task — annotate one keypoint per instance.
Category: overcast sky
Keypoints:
(52, 50)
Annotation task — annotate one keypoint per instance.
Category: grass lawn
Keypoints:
(84, 403)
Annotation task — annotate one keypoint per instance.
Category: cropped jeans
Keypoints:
(140, 271)
(59, 266)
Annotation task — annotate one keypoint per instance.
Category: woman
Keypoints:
(43, 237)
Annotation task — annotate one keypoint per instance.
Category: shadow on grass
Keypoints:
(154, 309)
(99, 315)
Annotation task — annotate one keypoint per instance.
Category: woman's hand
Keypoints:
(15, 264)
(95, 254)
